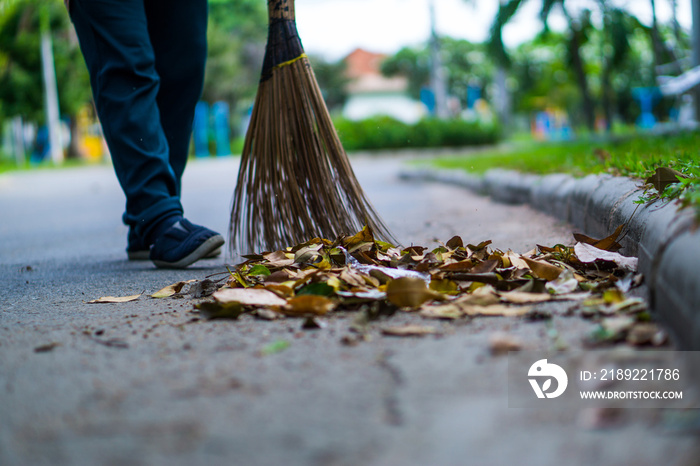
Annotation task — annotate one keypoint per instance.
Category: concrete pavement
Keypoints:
(666, 239)
(144, 383)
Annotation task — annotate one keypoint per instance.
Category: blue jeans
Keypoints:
(146, 63)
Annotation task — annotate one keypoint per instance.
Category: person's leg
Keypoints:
(115, 41)
(178, 33)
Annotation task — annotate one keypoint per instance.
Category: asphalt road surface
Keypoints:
(141, 383)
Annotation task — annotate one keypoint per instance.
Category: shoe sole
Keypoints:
(204, 250)
(144, 255)
(138, 255)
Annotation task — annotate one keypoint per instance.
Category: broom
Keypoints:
(295, 181)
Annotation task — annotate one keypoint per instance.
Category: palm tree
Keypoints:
(579, 27)
(618, 27)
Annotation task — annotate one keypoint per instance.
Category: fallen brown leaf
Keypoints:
(543, 270)
(306, 305)
(495, 310)
(312, 323)
(522, 297)
(501, 343)
(171, 289)
(664, 176)
(608, 244)
(359, 273)
(267, 314)
(444, 311)
(115, 299)
(409, 331)
(217, 310)
(589, 254)
(410, 292)
(47, 347)
(248, 297)
(646, 333)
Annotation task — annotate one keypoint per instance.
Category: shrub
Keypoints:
(384, 132)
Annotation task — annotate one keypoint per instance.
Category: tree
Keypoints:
(613, 51)
(466, 64)
(21, 91)
(542, 75)
(579, 26)
(236, 44)
(412, 63)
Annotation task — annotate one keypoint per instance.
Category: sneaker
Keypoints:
(138, 255)
(136, 250)
(184, 244)
(145, 254)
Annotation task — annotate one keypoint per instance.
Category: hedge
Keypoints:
(388, 133)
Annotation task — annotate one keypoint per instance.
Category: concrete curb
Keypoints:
(664, 239)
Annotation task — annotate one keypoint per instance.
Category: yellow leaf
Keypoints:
(613, 296)
(409, 331)
(362, 241)
(505, 261)
(443, 311)
(323, 265)
(115, 299)
(171, 289)
(543, 270)
(495, 310)
(308, 305)
(475, 286)
(409, 292)
(281, 290)
(523, 297)
(444, 286)
(333, 282)
(501, 343)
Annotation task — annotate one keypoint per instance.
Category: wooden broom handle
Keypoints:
(280, 9)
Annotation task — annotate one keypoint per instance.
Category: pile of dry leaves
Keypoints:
(453, 281)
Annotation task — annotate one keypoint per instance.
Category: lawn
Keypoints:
(635, 156)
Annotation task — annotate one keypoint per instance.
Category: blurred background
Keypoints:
(395, 73)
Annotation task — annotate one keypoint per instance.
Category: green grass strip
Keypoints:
(635, 156)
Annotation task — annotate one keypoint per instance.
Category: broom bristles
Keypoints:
(295, 181)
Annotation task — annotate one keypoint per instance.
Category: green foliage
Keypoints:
(236, 43)
(495, 45)
(636, 157)
(413, 63)
(384, 132)
(466, 64)
(244, 18)
(21, 87)
(543, 78)
(236, 46)
(604, 53)
(542, 158)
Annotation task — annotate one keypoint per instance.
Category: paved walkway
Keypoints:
(139, 383)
